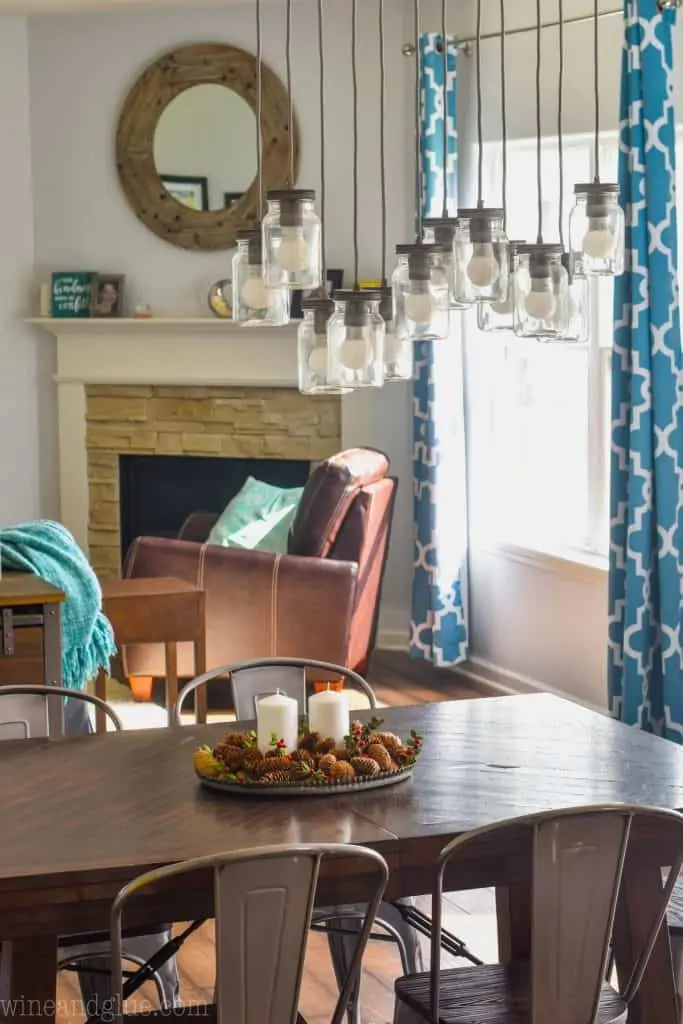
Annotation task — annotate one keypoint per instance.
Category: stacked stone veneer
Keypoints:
(268, 423)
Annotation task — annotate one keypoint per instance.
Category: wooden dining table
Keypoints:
(80, 817)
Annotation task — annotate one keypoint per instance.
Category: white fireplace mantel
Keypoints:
(202, 352)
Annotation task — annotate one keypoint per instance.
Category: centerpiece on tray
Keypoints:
(300, 757)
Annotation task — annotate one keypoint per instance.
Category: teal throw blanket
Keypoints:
(48, 550)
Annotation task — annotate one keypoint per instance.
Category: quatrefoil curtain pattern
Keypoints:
(439, 631)
(645, 659)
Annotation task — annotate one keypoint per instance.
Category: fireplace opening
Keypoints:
(158, 492)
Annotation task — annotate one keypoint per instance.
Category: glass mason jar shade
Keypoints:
(481, 257)
(596, 230)
(355, 341)
(441, 231)
(398, 349)
(500, 315)
(578, 303)
(421, 293)
(312, 350)
(291, 240)
(254, 305)
(541, 293)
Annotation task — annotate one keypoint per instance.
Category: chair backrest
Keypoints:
(34, 711)
(252, 680)
(576, 858)
(263, 902)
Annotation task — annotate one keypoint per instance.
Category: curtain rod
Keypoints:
(408, 50)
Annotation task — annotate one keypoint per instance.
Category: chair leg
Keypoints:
(342, 947)
(96, 988)
(141, 688)
(677, 957)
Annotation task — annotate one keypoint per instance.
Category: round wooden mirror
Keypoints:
(186, 144)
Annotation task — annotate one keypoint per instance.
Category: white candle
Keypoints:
(328, 714)
(277, 715)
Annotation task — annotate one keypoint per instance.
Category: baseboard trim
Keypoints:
(493, 679)
(393, 633)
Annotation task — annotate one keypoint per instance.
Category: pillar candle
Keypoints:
(328, 714)
(277, 715)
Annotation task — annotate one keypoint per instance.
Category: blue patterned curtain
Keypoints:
(645, 667)
(439, 619)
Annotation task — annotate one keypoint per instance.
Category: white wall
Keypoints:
(24, 365)
(81, 68)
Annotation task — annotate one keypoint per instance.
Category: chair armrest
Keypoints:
(257, 604)
(198, 526)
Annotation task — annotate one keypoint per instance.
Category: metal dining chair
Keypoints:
(263, 906)
(249, 680)
(575, 860)
(36, 711)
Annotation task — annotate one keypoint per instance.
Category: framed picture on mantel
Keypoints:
(71, 295)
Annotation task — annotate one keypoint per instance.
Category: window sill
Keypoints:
(571, 564)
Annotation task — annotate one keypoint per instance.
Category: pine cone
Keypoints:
(342, 771)
(326, 746)
(302, 755)
(236, 739)
(342, 754)
(401, 755)
(274, 752)
(273, 764)
(379, 753)
(300, 771)
(310, 741)
(274, 778)
(326, 762)
(251, 758)
(387, 739)
(230, 756)
(365, 766)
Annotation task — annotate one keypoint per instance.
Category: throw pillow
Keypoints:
(258, 518)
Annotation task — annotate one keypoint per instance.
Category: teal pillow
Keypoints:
(259, 518)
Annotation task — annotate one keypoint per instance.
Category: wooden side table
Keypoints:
(31, 610)
(157, 610)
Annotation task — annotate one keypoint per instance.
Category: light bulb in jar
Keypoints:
(598, 242)
(420, 306)
(540, 304)
(317, 361)
(354, 351)
(292, 253)
(254, 291)
(483, 269)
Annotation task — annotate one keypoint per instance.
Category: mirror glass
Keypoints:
(205, 147)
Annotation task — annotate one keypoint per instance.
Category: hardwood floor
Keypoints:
(397, 681)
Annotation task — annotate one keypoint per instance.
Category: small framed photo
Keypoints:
(335, 282)
(191, 192)
(107, 295)
(230, 198)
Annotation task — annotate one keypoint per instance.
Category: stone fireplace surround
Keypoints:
(191, 387)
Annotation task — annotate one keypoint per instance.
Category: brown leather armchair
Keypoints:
(320, 600)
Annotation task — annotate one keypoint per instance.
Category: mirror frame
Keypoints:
(159, 84)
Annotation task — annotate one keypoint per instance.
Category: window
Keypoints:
(539, 413)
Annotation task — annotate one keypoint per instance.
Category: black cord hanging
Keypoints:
(354, 79)
(418, 126)
(323, 188)
(382, 139)
(290, 114)
(596, 86)
(480, 115)
(259, 109)
(444, 63)
(539, 155)
(560, 118)
(504, 119)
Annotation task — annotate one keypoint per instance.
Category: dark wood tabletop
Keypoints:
(18, 589)
(81, 816)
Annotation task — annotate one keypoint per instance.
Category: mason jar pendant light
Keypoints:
(398, 347)
(356, 330)
(540, 279)
(253, 304)
(481, 245)
(441, 230)
(291, 227)
(419, 282)
(499, 316)
(312, 350)
(596, 223)
(576, 316)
